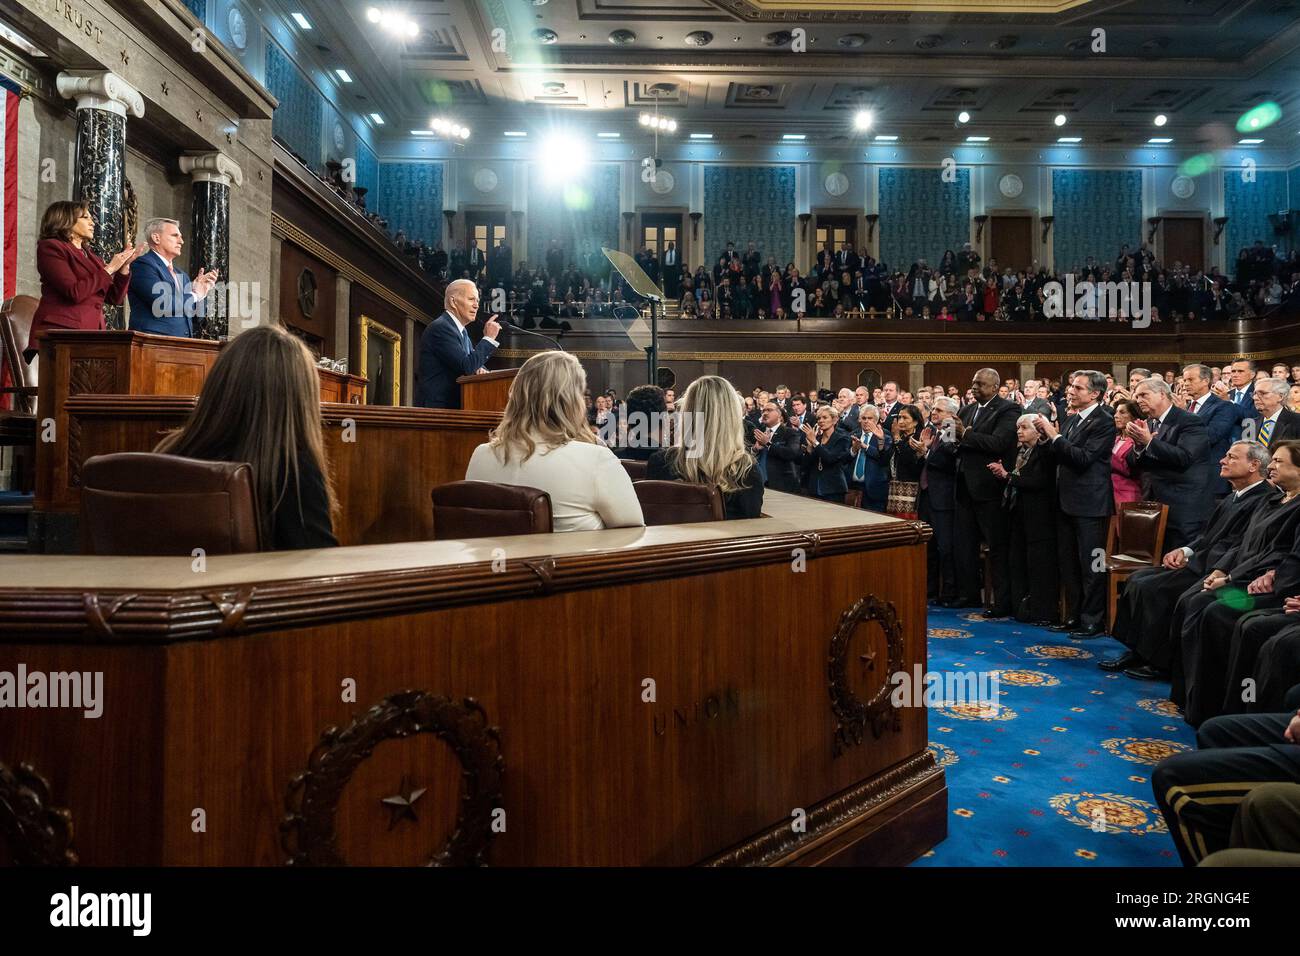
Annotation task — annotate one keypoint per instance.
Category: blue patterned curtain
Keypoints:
(297, 120)
(367, 171)
(583, 215)
(921, 216)
(744, 204)
(410, 198)
(1247, 206)
(198, 7)
(1097, 212)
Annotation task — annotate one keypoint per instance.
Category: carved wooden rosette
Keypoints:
(308, 830)
(87, 376)
(852, 713)
(36, 833)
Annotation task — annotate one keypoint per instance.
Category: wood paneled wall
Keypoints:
(319, 325)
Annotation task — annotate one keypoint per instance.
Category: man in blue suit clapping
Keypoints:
(446, 352)
(164, 300)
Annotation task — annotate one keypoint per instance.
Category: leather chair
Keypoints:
(484, 509)
(140, 503)
(1135, 540)
(636, 470)
(678, 502)
(18, 384)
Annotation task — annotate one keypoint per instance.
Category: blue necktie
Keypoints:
(464, 338)
(860, 466)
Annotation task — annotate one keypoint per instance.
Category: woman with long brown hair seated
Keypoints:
(261, 404)
(75, 283)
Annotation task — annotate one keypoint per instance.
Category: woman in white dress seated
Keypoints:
(544, 442)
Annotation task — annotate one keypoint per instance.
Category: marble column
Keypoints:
(209, 242)
(103, 102)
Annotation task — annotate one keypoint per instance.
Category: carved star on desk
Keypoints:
(869, 659)
(401, 806)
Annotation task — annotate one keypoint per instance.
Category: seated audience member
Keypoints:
(75, 283)
(777, 450)
(1030, 499)
(713, 451)
(544, 442)
(826, 450)
(938, 498)
(1125, 486)
(1147, 603)
(1200, 793)
(868, 470)
(1257, 574)
(260, 404)
(164, 301)
(1171, 446)
(906, 459)
(640, 427)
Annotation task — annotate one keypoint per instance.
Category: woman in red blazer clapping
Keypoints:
(75, 283)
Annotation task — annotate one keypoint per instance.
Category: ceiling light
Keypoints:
(1249, 142)
(1160, 140)
(303, 22)
(464, 132)
(794, 136)
(343, 75)
(1070, 139)
(608, 135)
(412, 29)
(1161, 119)
(672, 126)
(515, 133)
(963, 117)
(863, 119)
(977, 139)
(393, 22)
(421, 132)
(377, 119)
(701, 136)
(1059, 119)
(644, 119)
(886, 138)
(373, 15)
(562, 156)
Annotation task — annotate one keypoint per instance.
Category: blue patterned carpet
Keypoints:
(1062, 775)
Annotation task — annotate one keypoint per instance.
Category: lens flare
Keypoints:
(1262, 116)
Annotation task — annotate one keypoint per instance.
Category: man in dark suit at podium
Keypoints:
(164, 300)
(446, 352)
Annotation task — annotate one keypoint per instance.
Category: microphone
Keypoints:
(516, 328)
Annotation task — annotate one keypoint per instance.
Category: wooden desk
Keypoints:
(383, 460)
(218, 687)
(75, 364)
(487, 392)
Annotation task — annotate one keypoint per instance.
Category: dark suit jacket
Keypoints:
(1287, 427)
(939, 476)
(875, 465)
(993, 438)
(74, 288)
(1172, 470)
(159, 305)
(1031, 495)
(828, 480)
(1082, 455)
(1226, 527)
(781, 459)
(443, 359)
(1267, 540)
(1222, 421)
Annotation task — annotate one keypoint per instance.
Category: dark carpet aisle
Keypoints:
(1061, 775)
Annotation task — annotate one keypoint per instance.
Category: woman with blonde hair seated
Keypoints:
(544, 442)
(260, 403)
(710, 448)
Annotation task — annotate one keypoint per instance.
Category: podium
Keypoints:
(487, 392)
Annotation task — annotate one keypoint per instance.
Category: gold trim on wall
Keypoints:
(384, 332)
(867, 356)
(281, 228)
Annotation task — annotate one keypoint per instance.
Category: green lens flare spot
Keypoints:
(577, 198)
(1263, 115)
(1197, 165)
(1236, 598)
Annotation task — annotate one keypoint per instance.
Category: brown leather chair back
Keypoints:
(678, 502)
(636, 470)
(16, 316)
(1140, 532)
(484, 509)
(140, 503)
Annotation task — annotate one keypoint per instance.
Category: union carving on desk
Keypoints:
(852, 714)
(712, 707)
(308, 832)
